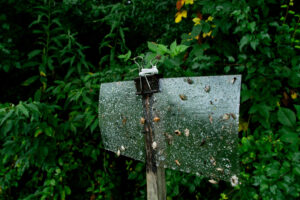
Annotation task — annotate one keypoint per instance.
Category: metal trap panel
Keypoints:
(197, 127)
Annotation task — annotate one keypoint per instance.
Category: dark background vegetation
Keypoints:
(55, 54)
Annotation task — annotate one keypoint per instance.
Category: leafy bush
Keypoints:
(55, 54)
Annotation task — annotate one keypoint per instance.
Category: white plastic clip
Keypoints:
(148, 72)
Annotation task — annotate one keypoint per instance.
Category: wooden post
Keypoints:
(156, 187)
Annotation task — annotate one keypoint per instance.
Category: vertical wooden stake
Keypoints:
(156, 187)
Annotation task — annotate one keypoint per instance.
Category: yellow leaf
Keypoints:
(38, 132)
(42, 74)
(209, 19)
(44, 85)
(196, 20)
(278, 104)
(189, 2)
(294, 95)
(179, 15)
(207, 34)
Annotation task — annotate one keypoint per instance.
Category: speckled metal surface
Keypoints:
(196, 123)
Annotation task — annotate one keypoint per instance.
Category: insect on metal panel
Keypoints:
(195, 121)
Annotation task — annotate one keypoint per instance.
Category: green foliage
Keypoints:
(55, 54)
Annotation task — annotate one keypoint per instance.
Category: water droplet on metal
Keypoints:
(234, 180)
(213, 161)
(118, 152)
(122, 148)
(220, 169)
(187, 132)
(154, 145)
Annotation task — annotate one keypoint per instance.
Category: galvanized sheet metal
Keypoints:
(197, 130)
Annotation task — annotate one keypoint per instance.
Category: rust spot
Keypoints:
(226, 116)
(210, 119)
(207, 88)
(177, 162)
(202, 142)
(177, 132)
(156, 119)
(183, 97)
(142, 121)
(232, 115)
(213, 161)
(190, 81)
(169, 138)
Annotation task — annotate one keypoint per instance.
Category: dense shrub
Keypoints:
(55, 54)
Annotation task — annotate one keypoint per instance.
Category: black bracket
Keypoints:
(142, 84)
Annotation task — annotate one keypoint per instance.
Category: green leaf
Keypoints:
(162, 49)
(52, 182)
(252, 26)
(205, 27)
(177, 49)
(126, 56)
(173, 46)
(196, 31)
(227, 69)
(23, 110)
(291, 12)
(286, 117)
(254, 44)
(297, 107)
(38, 132)
(289, 136)
(152, 46)
(30, 80)
(6, 117)
(245, 40)
(68, 190)
(34, 53)
(122, 35)
(49, 131)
